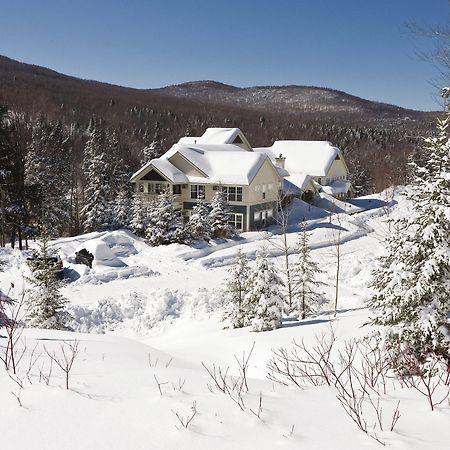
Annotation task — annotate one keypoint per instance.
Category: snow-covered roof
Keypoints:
(337, 187)
(225, 164)
(218, 136)
(164, 167)
(306, 157)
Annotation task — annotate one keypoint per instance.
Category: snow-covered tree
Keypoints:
(139, 217)
(165, 223)
(304, 276)
(199, 226)
(218, 216)
(412, 280)
(96, 212)
(45, 304)
(123, 208)
(264, 299)
(236, 288)
(48, 177)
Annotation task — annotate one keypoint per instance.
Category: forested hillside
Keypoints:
(54, 125)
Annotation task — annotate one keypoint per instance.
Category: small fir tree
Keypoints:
(236, 289)
(165, 222)
(304, 276)
(199, 225)
(139, 216)
(412, 280)
(45, 304)
(218, 217)
(123, 209)
(264, 299)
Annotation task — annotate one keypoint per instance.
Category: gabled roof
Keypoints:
(218, 136)
(337, 187)
(163, 167)
(221, 164)
(308, 157)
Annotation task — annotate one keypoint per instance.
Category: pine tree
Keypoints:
(304, 276)
(264, 299)
(199, 225)
(139, 217)
(45, 304)
(235, 291)
(218, 217)
(165, 222)
(96, 212)
(412, 280)
(48, 176)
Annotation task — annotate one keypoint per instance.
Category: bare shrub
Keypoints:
(427, 379)
(65, 360)
(235, 387)
(11, 319)
(357, 372)
(185, 421)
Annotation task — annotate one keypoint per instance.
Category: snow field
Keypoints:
(167, 322)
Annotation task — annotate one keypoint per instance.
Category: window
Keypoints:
(197, 191)
(151, 188)
(236, 221)
(140, 187)
(177, 189)
(261, 217)
(161, 187)
(233, 193)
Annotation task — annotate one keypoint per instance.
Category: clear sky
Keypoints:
(358, 46)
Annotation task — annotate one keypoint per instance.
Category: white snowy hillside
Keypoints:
(156, 367)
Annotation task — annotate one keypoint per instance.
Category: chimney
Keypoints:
(279, 162)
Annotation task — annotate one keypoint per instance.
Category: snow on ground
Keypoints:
(153, 315)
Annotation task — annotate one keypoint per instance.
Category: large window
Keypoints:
(177, 189)
(197, 191)
(236, 221)
(233, 193)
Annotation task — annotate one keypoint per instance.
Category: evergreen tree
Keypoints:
(305, 283)
(48, 176)
(165, 222)
(97, 212)
(235, 291)
(199, 225)
(264, 299)
(412, 281)
(123, 209)
(45, 304)
(139, 217)
(218, 217)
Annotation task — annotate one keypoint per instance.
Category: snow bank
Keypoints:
(141, 312)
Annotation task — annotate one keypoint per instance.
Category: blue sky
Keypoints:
(359, 46)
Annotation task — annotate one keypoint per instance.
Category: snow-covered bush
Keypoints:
(218, 217)
(165, 223)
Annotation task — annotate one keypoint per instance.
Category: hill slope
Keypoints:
(374, 136)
